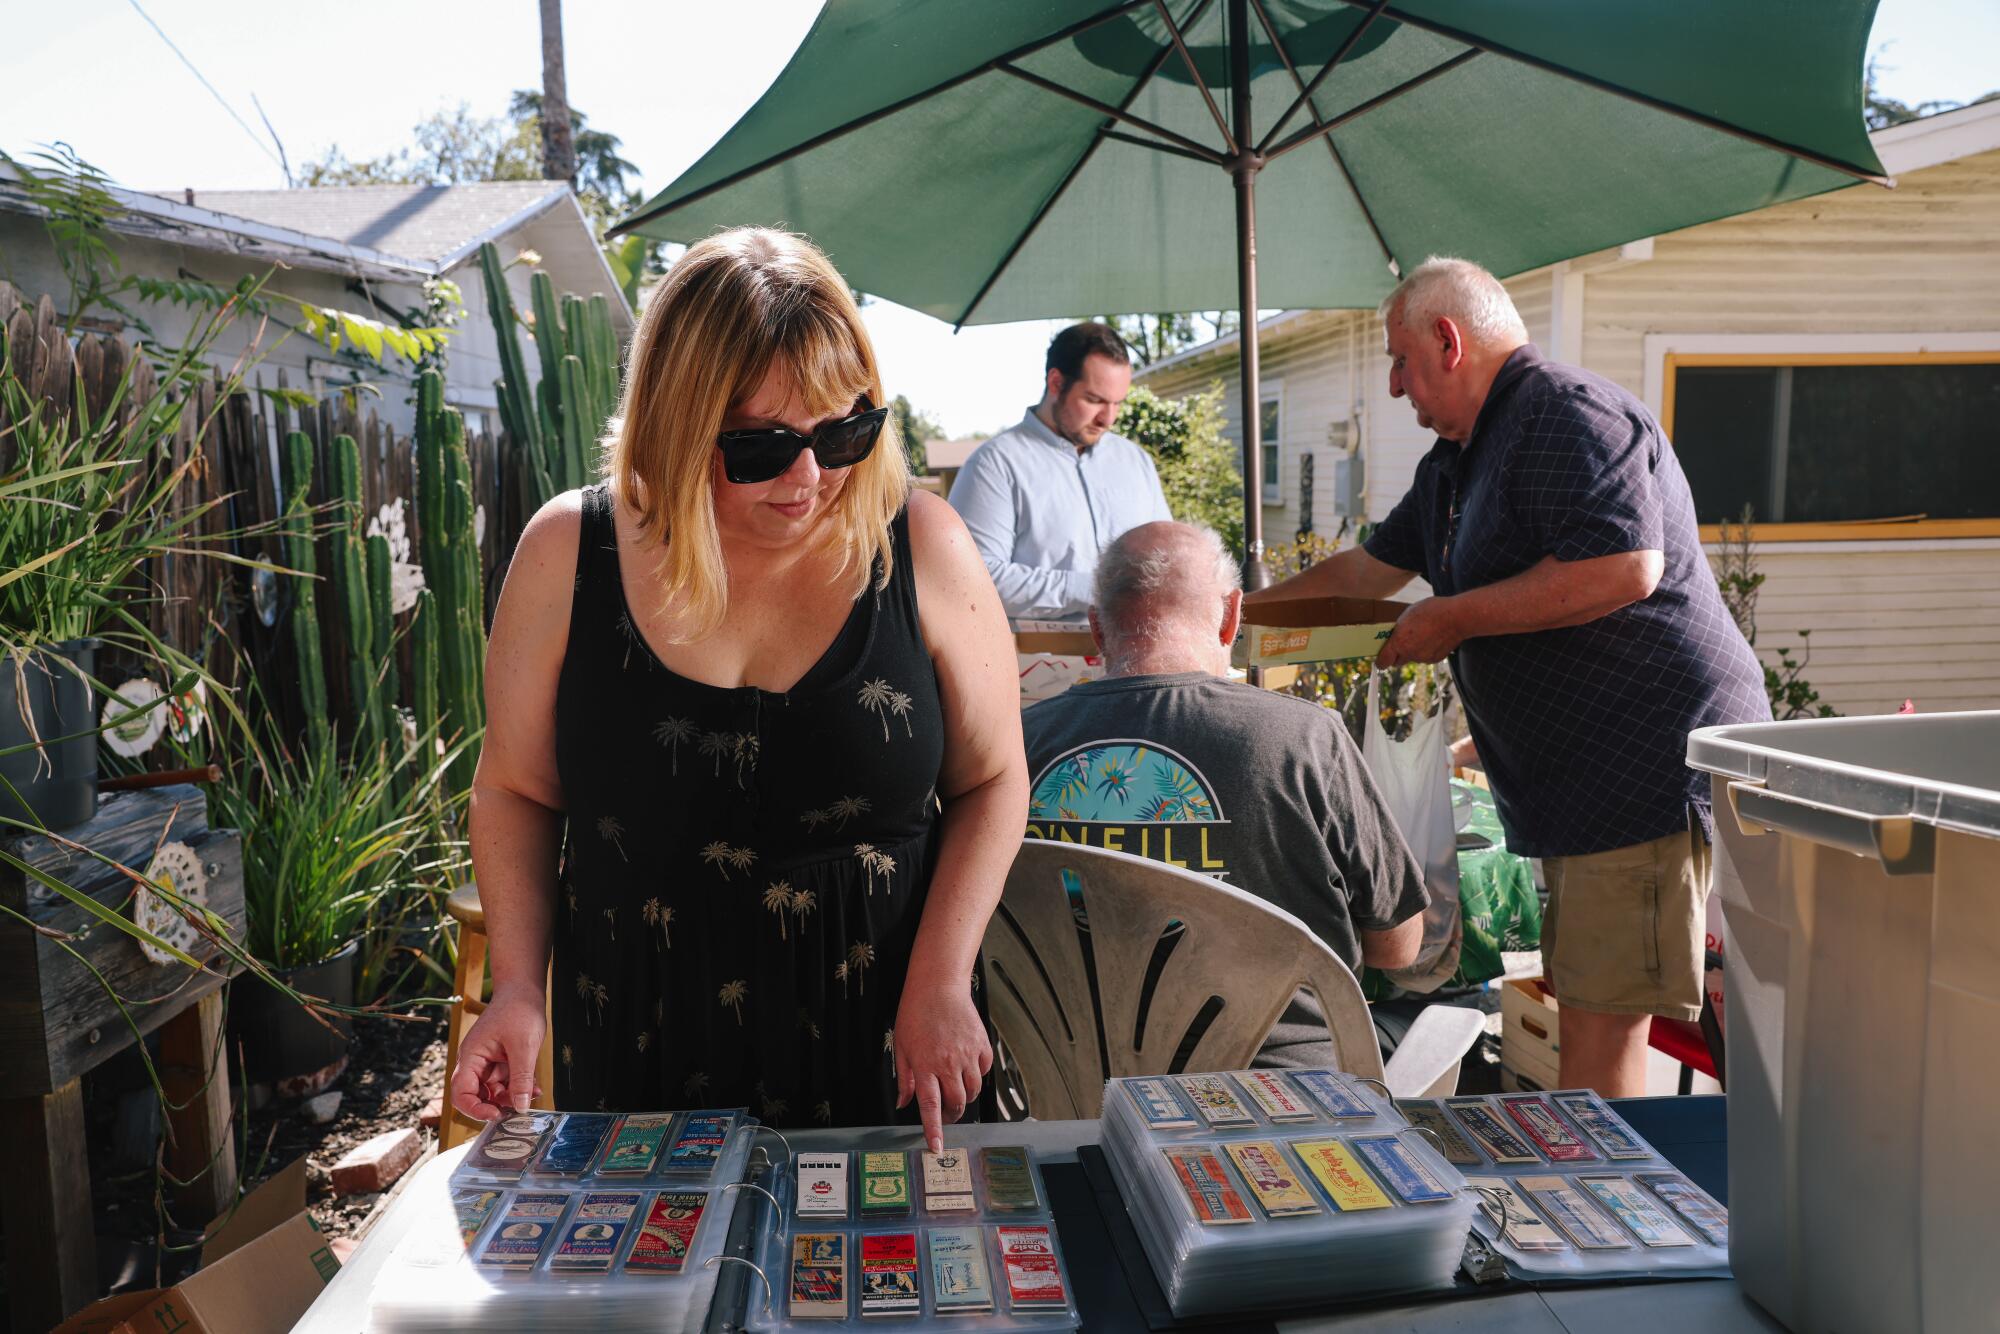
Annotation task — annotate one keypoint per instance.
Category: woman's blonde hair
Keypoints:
(728, 310)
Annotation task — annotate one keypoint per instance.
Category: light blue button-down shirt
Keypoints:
(1042, 511)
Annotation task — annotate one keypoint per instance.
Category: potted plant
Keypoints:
(88, 501)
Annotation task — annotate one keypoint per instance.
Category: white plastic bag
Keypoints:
(1412, 776)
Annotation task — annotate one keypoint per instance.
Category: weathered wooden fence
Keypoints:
(212, 610)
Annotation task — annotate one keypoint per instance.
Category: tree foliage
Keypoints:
(1154, 337)
(914, 428)
(1197, 465)
(456, 147)
(1881, 112)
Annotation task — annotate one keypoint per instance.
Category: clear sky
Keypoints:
(668, 78)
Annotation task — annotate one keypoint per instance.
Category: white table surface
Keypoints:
(1703, 1306)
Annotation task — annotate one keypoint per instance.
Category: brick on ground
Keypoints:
(375, 1164)
(432, 1113)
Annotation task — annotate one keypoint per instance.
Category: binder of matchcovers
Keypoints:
(605, 1223)
(1278, 1189)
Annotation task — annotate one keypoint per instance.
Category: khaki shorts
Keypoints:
(1633, 927)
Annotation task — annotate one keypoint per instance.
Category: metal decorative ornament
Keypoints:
(127, 730)
(177, 868)
(187, 713)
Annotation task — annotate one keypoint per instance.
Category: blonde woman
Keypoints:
(753, 765)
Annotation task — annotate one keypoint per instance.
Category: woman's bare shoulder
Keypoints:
(938, 535)
(544, 561)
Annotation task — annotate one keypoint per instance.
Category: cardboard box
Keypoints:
(1268, 646)
(259, 1272)
(1281, 628)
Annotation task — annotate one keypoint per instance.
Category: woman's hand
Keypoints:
(942, 1054)
(496, 1060)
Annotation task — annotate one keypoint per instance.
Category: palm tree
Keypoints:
(645, 1039)
(609, 829)
(670, 733)
(741, 858)
(667, 926)
(629, 634)
(823, 1112)
(778, 899)
(888, 1039)
(847, 808)
(696, 1085)
(732, 995)
(748, 747)
(599, 993)
(569, 1065)
(803, 902)
(569, 894)
(875, 697)
(807, 1023)
(900, 705)
(611, 916)
(865, 854)
(717, 744)
(840, 975)
(859, 956)
(717, 854)
(652, 914)
(812, 820)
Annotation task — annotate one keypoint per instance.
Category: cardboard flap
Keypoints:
(1275, 606)
(111, 1315)
(263, 1286)
(258, 1212)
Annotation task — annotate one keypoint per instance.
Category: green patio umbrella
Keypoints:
(991, 160)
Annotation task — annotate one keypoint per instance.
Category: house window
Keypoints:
(1274, 492)
(1838, 438)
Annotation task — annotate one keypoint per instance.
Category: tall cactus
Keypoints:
(388, 682)
(298, 546)
(451, 569)
(371, 705)
(517, 403)
(556, 426)
(424, 664)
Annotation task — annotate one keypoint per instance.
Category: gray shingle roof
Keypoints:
(420, 222)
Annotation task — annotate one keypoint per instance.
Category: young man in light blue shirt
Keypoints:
(1044, 499)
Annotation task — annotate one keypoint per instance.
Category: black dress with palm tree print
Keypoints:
(743, 870)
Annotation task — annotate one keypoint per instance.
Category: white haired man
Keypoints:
(1570, 592)
(1167, 758)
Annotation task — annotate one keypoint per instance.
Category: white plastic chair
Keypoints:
(1236, 964)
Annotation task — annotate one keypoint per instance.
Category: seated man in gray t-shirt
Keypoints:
(1168, 759)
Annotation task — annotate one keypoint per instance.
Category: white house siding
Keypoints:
(1890, 620)
(28, 261)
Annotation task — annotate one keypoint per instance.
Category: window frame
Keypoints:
(1273, 391)
(1667, 354)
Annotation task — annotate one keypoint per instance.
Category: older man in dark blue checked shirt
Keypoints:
(1570, 592)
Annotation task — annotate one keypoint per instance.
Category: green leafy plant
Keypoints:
(88, 504)
(339, 844)
(1739, 580)
(1197, 465)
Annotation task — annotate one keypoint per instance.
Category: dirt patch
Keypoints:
(394, 1067)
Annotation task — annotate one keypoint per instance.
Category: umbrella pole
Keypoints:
(1243, 167)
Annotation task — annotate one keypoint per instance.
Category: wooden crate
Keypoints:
(57, 1021)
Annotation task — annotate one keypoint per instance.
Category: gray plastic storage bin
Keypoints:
(1859, 869)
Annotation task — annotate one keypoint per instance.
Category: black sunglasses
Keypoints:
(758, 456)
